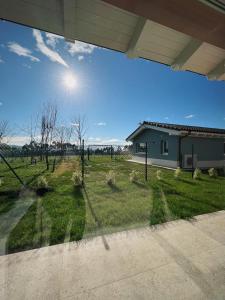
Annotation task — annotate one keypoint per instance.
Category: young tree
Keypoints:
(31, 131)
(79, 124)
(48, 125)
(63, 136)
(4, 130)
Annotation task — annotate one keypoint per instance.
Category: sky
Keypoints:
(114, 92)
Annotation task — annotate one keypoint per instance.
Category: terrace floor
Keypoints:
(176, 260)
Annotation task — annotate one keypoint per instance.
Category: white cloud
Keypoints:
(17, 140)
(51, 54)
(52, 39)
(1, 60)
(75, 124)
(101, 124)
(21, 51)
(105, 141)
(80, 57)
(166, 118)
(189, 116)
(80, 47)
(1, 103)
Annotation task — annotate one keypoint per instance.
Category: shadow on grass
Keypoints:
(191, 182)
(7, 200)
(98, 222)
(140, 184)
(33, 178)
(114, 188)
(52, 219)
(15, 168)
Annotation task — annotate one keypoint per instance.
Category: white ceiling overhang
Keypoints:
(105, 25)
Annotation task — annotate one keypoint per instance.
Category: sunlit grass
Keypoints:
(69, 213)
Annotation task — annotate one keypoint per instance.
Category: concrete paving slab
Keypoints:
(166, 282)
(176, 260)
(212, 225)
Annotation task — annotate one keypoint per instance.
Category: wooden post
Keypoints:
(82, 161)
(88, 153)
(146, 161)
(111, 152)
(192, 157)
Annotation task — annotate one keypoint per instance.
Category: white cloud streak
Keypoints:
(52, 39)
(80, 47)
(1, 103)
(1, 60)
(51, 54)
(101, 124)
(22, 51)
(189, 116)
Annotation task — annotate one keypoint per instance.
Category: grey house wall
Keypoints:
(153, 139)
(209, 151)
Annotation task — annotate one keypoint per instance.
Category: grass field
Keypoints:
(66, 213)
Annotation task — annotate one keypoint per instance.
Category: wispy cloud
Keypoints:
(52, 39)
(22, 51)
(51, 54)
(166, 118)
(101, 124)
(26, 66)
(80, 47)
(1, 103)
(189, 116)
(1, 60)
(80, 57)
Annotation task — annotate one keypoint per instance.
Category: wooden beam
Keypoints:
(132, 51)
(185, 55)
(191, 17)
(217, 72)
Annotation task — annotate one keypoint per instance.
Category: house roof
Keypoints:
(186, 35)
(178, 129)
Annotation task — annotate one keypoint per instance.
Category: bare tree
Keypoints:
(48, 125)
(31, 131)
(4, 130)
(63, 136)
(79, 124)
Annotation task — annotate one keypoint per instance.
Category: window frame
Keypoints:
(140, 147)
(164, 147)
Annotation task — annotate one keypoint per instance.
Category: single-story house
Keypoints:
(173, 145)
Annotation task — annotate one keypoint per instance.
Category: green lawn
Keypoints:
(66, 213)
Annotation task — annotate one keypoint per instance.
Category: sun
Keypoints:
(69, 81)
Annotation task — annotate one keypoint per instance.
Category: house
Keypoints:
(172, 145)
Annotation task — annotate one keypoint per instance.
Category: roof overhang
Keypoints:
(183, 133)
(186, 35)
(143, 127)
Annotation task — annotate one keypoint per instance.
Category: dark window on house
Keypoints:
(140, 147)
(164, 147)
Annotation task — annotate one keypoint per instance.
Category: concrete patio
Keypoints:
(177, 260)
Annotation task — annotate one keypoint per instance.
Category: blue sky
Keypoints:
(114, 92)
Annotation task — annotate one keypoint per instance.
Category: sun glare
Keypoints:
(69, 81)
